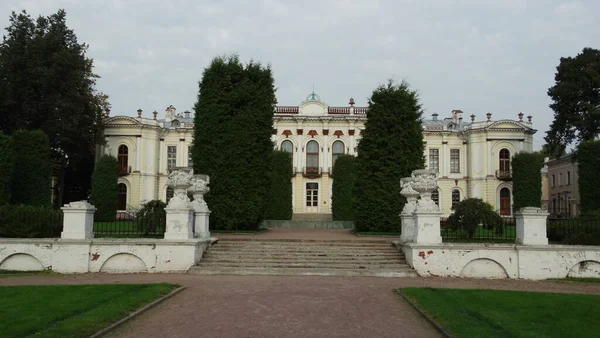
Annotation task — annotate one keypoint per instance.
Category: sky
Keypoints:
(478, 56)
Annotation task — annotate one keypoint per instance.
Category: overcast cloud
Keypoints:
(476, 55)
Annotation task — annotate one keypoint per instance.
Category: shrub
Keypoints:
(470, 213)
(6, 167)
(527, 180)
(280, 201)
(588, 157)
(152, 217)
(104, 189)
(344, 179)
(232, 140)
(27, 221)
(391, 147)
(31, 176)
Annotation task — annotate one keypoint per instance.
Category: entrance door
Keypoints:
(312, 197)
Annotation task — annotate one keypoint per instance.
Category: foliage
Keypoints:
(280, 201)
(48, 84)
(27, 221)
(152, 217)
(391, 147)
(81, 310)
(6, 167)
(104, 189)
(31, 177)
(576, 103)
(588, 158)
(527, 179)
(470, 213)
(232, 140)
(500, 313)
(344, 179)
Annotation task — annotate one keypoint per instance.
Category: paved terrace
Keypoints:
(307, 234)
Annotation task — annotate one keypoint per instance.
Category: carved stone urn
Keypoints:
(425, 183)
(198, 189)
(410, 194)
(180, 180)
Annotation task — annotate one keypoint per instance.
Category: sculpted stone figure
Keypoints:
(410, 194)
(198, 189)
(180, 179)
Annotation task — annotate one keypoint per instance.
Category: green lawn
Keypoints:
(70, 310)
(578, 279)
(493, 313)
(123, 229)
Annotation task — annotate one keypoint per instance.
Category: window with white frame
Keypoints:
(190, 159)
(171, 157)
(434, 159)
(454, 160)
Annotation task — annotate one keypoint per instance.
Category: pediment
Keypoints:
(122, 120)
(506, 124)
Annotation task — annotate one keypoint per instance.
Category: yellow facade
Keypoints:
(473, 158)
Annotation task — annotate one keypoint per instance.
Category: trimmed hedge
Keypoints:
(26, 221)
(232, 140)
(280, 201)
(344, 180)
(391, 147)
(527, 180)
(6, 167)
(31, 178)
(104, 189)
(588, 159)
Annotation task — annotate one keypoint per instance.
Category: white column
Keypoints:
(531, 226)
(161, 155)
(490, 157)
(444, 160)
(78, 220)
(180, 154)
(138, 151)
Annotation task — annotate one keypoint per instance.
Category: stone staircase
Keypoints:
(303, 257)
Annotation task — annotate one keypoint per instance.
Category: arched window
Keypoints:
(287, 146)
(435, 196)
(122, 196)
(455, 197)
(123, 161)
(338, 149)
(505, 202)
(170, 194)
(312, 157)
(504, 161)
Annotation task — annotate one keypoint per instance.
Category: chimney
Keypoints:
(186, 114)
(435, 115)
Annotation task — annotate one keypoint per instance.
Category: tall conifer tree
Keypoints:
(232, 140)
(391, 148)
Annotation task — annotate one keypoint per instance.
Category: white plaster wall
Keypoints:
(101, 255)
(504, 260)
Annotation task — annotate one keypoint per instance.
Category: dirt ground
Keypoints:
(287, 306)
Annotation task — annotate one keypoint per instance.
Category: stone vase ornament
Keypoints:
(180, 216)
(180, 179)
(406, 216)
(425, 183)
(198, 189)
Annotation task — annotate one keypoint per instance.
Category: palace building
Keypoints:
(472, 157)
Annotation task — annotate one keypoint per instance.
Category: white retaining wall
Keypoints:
(503, 260)
(101, 255)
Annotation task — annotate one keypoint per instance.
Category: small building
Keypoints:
(563, 189)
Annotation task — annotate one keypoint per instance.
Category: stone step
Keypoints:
(324, 260)
(302, 272)
(308, 248)
(304, 241)
(372, 256)
(304, 245)
(311, 264)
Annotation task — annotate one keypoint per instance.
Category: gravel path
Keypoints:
(273, 306)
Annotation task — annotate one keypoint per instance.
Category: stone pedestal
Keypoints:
(180, 222)
(199, 187)
(201, 219)
(531, 226)
(408, 228)
(427, 227)
(78, 220)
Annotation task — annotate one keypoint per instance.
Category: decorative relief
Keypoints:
(410, 194)
(199, 187)
(180, 179)
(425, 182)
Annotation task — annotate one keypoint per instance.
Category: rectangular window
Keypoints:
(190, 160)
(454, 160)
(434, 159)
(568, 178)
(171, 157)
(560, 180)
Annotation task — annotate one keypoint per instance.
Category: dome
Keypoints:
(313, 97)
